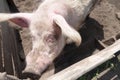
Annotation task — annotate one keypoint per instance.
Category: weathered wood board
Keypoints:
(11, 44)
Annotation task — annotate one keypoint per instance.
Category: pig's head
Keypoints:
(49, 36)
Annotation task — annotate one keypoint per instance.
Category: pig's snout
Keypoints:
(36, 63)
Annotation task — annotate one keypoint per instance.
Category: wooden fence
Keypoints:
(12, 59)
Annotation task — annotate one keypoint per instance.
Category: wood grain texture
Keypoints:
(78, 69)
(1, 57)
(5, 40)
(11, 43)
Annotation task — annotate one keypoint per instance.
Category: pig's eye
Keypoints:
(50, 38)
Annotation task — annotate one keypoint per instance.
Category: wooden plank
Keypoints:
(6, 43)
(4, 76)
(12, 6)
(1, 58)
(14, 9)
(5, 40)
(17, 49)
(12, 45)
(14, 59)
(78, 69)
(15, 52)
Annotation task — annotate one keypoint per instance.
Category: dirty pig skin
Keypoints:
(52, 25)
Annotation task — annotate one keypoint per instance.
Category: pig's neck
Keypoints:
(57, 8)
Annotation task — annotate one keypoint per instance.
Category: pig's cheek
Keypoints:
(54, 52)
(42, 63)
(31, 58)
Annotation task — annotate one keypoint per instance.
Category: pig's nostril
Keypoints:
(31, 75)
(31, 70)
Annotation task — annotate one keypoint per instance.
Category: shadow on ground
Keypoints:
(71, 54)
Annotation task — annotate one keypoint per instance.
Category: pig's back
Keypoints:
(80, 9)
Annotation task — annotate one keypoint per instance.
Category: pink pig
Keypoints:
(52, 25)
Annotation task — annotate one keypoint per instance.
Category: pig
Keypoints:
(52, 25)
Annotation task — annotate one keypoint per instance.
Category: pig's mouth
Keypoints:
(36, 65)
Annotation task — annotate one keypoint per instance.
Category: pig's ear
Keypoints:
(21, 19)
(67, 30)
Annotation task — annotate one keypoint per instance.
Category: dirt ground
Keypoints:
(104, 16)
